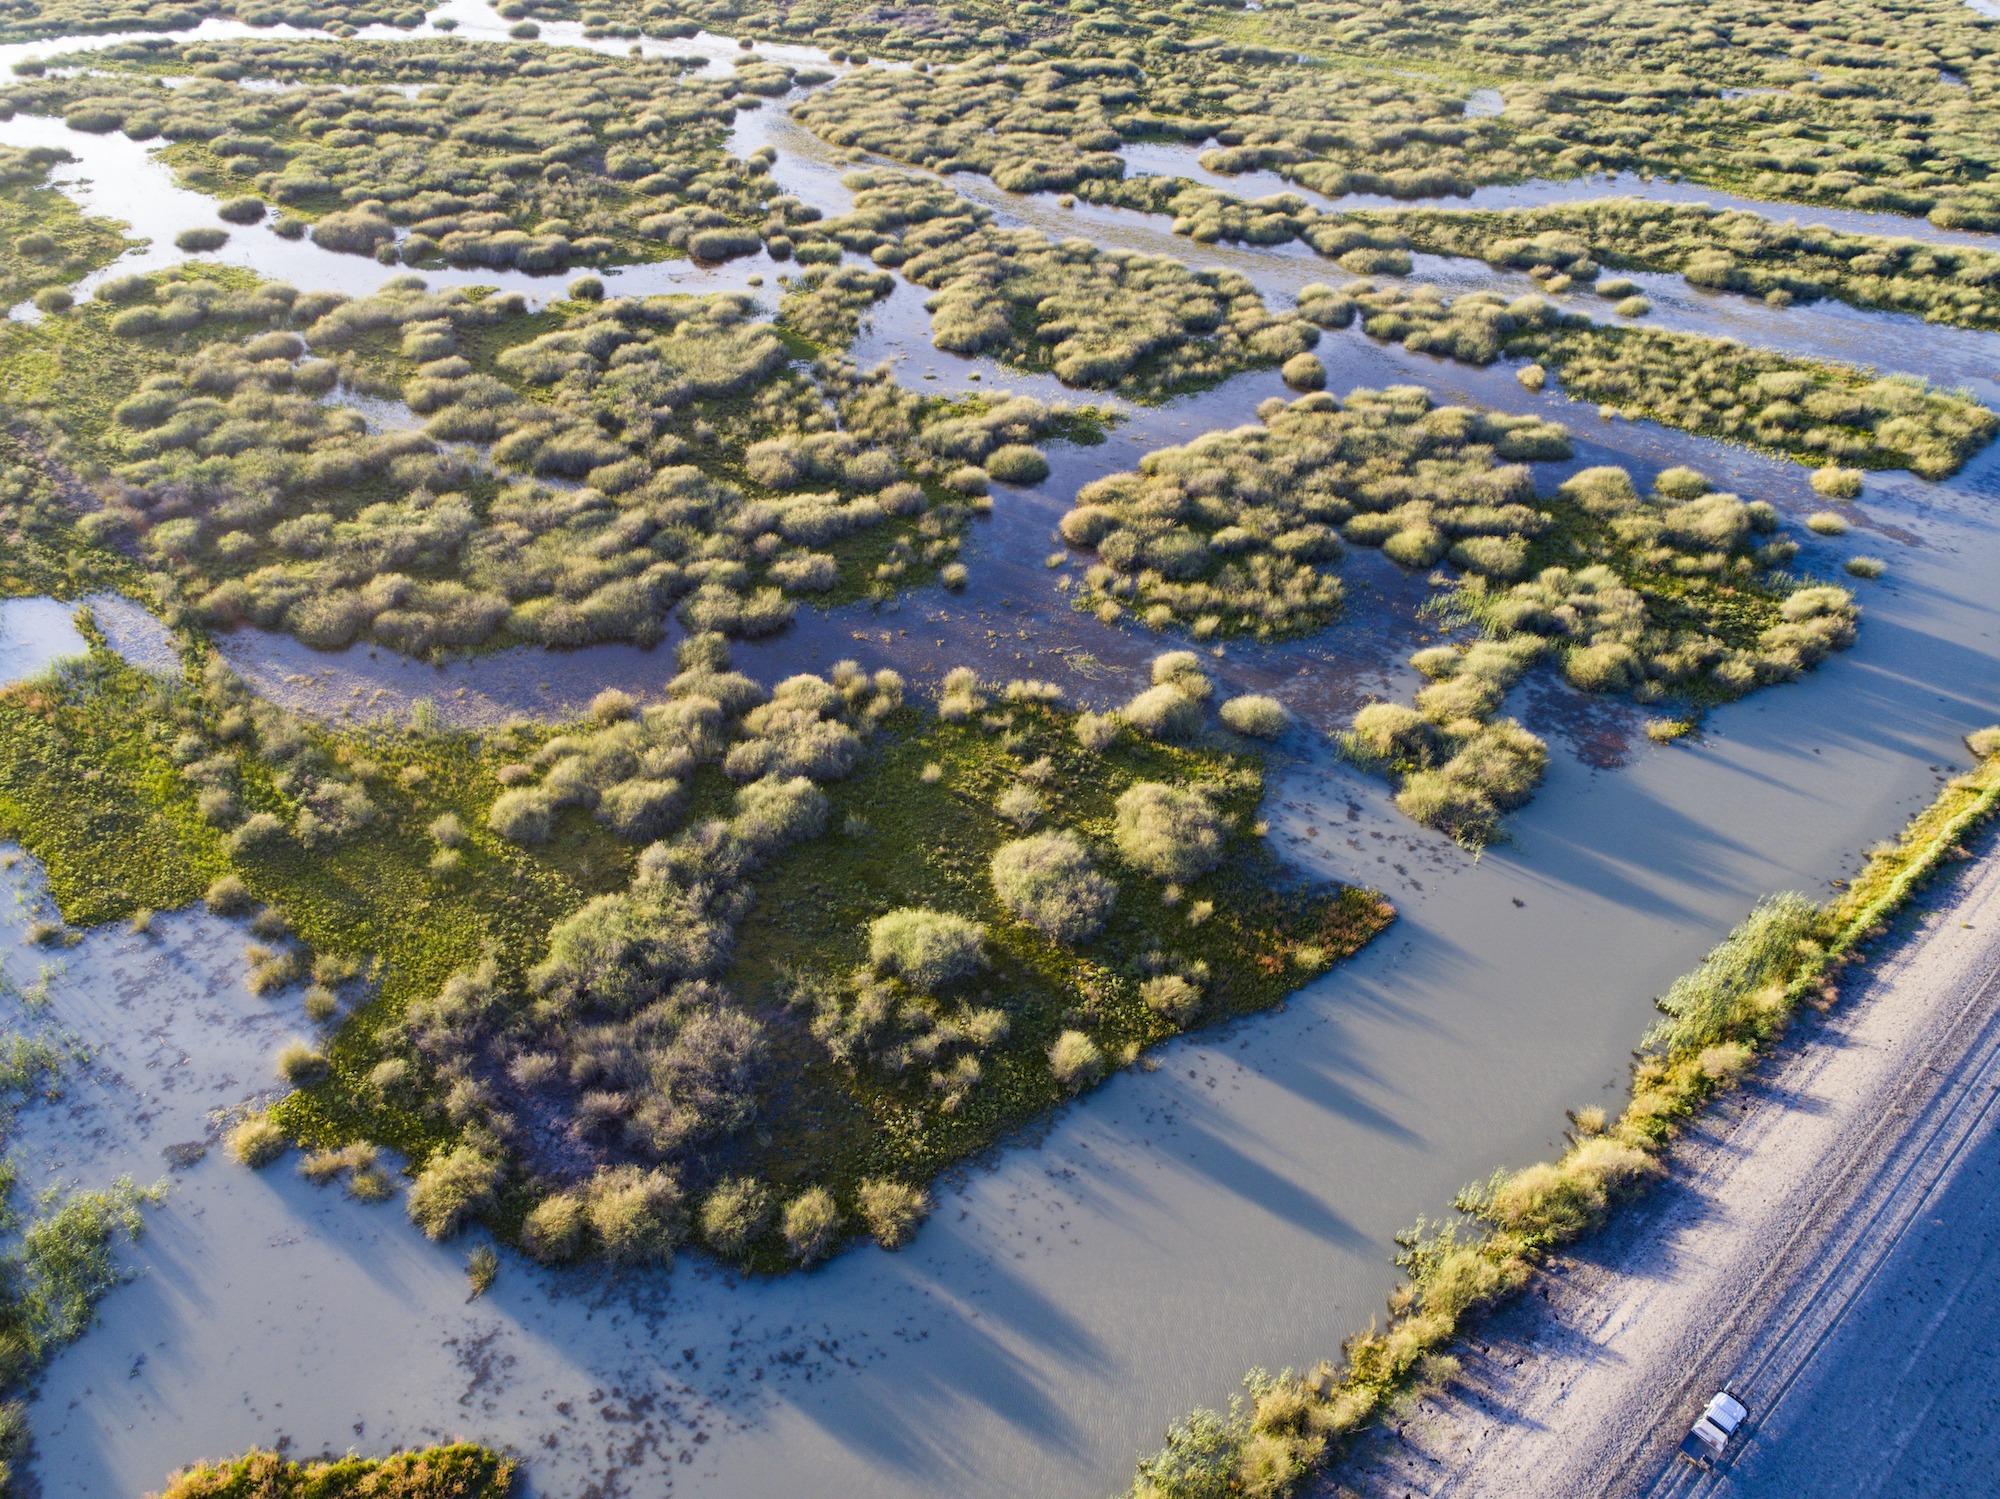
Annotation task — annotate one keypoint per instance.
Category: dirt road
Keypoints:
(1828, 1249)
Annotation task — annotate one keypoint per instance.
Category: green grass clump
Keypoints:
(257, 1142)
(811, 1221)
(928, 949)
(1866, 567)
(892, 1210)
(1256, 715)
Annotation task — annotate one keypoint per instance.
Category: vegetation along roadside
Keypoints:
(1716, 1022)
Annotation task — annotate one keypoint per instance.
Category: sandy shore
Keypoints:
(1827, 1249)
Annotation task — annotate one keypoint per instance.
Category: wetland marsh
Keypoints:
(806, 758)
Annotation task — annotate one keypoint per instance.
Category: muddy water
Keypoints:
(1232, 1207)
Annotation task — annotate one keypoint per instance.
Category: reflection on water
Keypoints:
(1233, 1207)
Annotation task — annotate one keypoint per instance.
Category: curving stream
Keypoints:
(1233, 1207)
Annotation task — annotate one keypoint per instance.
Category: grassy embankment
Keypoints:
(458, 1471)
(1718, 1020)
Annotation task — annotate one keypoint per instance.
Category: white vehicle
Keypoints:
(1710, 1435)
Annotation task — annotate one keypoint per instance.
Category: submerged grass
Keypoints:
(1718, 1018)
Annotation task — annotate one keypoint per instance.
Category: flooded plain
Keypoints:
(1232, 1206)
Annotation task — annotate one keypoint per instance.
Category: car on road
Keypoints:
(1710, 1434)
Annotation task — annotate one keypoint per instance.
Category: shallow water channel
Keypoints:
(1233, 1206)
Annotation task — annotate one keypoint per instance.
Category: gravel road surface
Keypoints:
(1828, 1249)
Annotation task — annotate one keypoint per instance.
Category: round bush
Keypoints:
(611, 705)
(1075, 1060)
(1867, 567)
(1826, 523)
(735, 1213)
(810, 1225)
(636, 1214)
(451, 1189)
(1164, 712)
(723, 244)
(524, 815)
(1837, 483)
(38, 244)
(1682, 483)
(1168, 831)
(1172, 996)
(241, 210)
(299, 1063)
(1255, 715)
(258, 829)
(892, 1210)
(524, 31)
(1304, 372)
(586, 289)
(228, 896)
(967, 479)
(1601, 668)
(640, 809)
(196, 241)
(928, 948)
(1017, 464)
(53, 299)
(1048, 881)
(773, 812)
(553, 1231)
(257, 1142)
